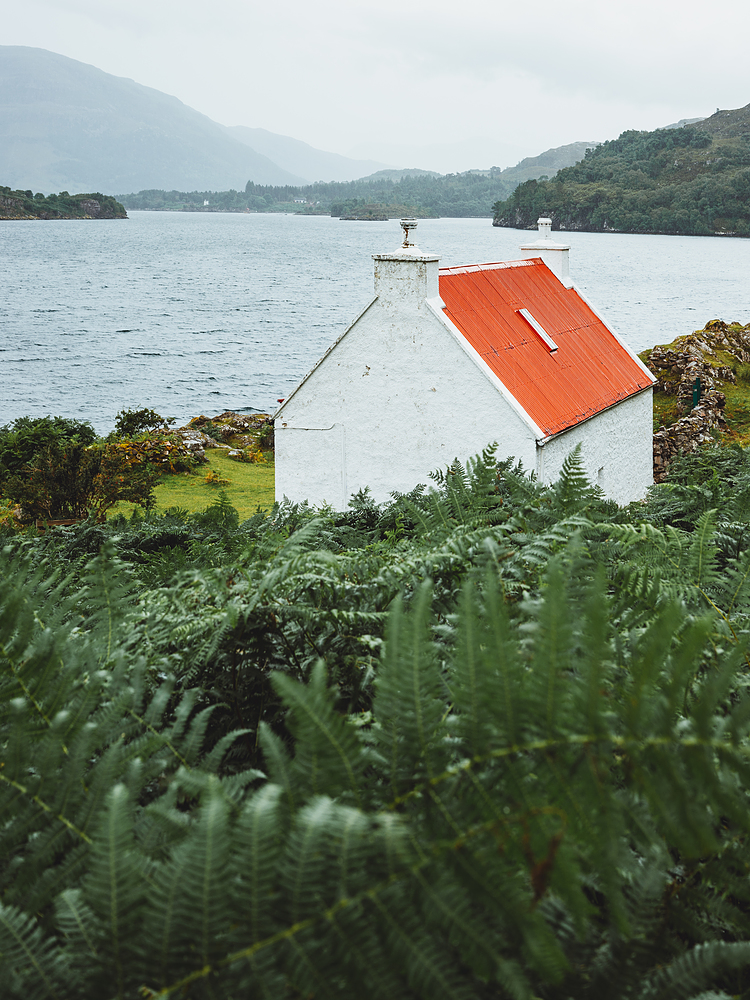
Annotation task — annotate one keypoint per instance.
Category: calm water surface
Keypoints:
(192, 313)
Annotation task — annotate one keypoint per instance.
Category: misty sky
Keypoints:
(447, 82)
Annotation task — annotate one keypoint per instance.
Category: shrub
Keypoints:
(78, 482)
(167, 452)
(213, 478)
(25, 438)
(131, 423)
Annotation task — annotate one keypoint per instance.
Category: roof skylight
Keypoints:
(537, 327)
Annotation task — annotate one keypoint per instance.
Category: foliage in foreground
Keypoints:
(489, 741)
(540, 806)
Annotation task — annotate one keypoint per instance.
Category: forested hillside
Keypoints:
(489, 741)
(693, 180)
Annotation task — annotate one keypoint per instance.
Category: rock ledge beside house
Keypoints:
(702, 391)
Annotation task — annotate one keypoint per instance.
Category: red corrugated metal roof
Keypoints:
(589, 370)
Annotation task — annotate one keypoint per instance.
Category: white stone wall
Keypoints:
(396, 398)
(616, 448)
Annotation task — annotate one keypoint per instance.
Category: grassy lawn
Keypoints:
(248, 487)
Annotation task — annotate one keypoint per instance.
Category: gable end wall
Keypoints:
(395, 399)
(616, 448)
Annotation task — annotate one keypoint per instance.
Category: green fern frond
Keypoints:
(328, 757)
(694, 970)
(31, 965)
(114, 890)
(410, 697)
(188, 915)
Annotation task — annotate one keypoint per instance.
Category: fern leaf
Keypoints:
(409, 702)
(328, 757)
(30, 963)
(114, 890)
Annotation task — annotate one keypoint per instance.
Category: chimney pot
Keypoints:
(544, 226)
(407, 225)
(555, 255)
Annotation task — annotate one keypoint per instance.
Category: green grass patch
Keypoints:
(737, 412)
(248, 486)
(666, 410)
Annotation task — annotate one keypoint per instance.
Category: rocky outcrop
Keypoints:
(696, 361)
(194, 442)
(12, 208)
(689, 432)
(684, 367)
(249, 432)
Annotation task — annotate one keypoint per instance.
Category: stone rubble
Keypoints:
(689, 432)
(677, 366)
(227, 425)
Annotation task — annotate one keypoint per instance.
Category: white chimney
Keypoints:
(407, 276)
(555, 255)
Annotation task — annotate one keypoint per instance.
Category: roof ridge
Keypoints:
(495, 266)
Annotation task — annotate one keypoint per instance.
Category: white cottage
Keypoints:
(444, 361)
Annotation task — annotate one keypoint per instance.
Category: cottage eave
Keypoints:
(323, 358)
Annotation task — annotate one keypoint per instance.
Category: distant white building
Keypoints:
(443, 361)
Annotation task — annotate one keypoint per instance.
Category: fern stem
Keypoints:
(617, 742)
(167, 743)
(43, 805)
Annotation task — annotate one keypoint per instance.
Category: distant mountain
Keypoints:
(546, 164)
(681, 123)
(445, 157)
(65, 125)
(693, 180)
(300, 158)
(398, 175)
(68, 126)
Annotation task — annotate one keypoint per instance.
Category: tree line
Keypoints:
(26, 204)
(467, 195)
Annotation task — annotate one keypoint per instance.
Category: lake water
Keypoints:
(193, 313)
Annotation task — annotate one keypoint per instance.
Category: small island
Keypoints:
(27, 205)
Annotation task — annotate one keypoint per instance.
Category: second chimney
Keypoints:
(555, 255)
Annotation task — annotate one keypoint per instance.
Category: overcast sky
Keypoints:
(437, 79)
